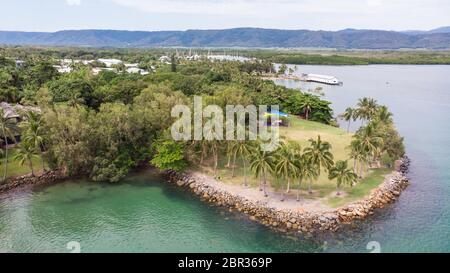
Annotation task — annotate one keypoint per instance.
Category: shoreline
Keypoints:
(289, 220)
(43, 179)
(293, 217)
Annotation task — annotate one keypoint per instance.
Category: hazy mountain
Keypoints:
(238, 37)
(436, 30)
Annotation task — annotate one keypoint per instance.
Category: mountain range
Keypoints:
(237, 37)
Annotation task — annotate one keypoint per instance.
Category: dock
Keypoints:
(325, 79)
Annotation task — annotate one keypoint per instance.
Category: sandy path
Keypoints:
(273, 200)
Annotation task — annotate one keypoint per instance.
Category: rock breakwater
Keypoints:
(28, 180)
(298, 221)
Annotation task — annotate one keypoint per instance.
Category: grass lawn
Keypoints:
(362, 189)
(301, 131)
(15, 169)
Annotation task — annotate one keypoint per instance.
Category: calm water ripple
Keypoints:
(145, 215)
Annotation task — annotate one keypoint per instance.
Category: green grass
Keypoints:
(362, 189)
(15, 169)
(301, 131)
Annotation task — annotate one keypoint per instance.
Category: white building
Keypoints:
(97, 70)
(63, 69)
(322, 79)
(110, 62)
(20, 63)
(165, 59)
(136, 70)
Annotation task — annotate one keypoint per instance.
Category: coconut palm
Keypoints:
(307, 105)
(244, 149)
(230, 153)
(8, 128)
(383, 115)
(359, 155)
(367, 108)
(33, 132)
(369, 139)
(262, 165)
(204, 146)
(343, 175)
(215, 147)
(319, 154)
(25, 153)
(348, 116)
(286, 167)
(305, 171)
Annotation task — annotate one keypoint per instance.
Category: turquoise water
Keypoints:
(144, 214)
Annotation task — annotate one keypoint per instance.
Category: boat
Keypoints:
(331, 80)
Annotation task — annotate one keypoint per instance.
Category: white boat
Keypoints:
(322, 79)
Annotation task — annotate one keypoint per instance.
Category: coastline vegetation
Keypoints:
(103, 126)
(356, 57)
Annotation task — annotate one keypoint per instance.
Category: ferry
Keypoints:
(322, 79)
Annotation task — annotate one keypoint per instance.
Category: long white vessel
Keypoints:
(322, 79)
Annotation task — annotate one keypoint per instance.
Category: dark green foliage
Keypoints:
(169, 155)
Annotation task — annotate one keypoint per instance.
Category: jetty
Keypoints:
(325, 79)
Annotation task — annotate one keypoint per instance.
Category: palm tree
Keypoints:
(244, 149)
(204, 145)
(384, 115)
(286, 167)
(305, 171)
(369, 139)
(33, 133)
(359, 155)
(262, 165)
(25, 152)
(343, 175)
(8, 127)
(215, 146)
(348, 116)
(307, 105)
(319, 156)
(367, 108)
(319, 153)
(230, 153)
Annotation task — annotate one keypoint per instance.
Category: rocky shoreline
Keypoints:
(29, 180)
(294, 221)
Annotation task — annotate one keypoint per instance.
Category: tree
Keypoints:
(308, 172)
(286, 167)
(282, 69)
(173, 63)
(33, 132)
(169, 155)
(262, 165)
(342, 174)
(383, 115)
(25, 152)
(348, 116)
(8, 128)
(307, 105)
(367, 108)
(244, 149)
(369, 138)
(319, 153)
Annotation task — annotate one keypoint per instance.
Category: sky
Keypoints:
(153, 15)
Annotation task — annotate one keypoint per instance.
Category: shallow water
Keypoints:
(143, 214)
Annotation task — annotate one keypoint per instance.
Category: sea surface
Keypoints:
(144, 214)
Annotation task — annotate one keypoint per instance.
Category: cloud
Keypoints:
(234, 7)
(73, 2)
(374, 3)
